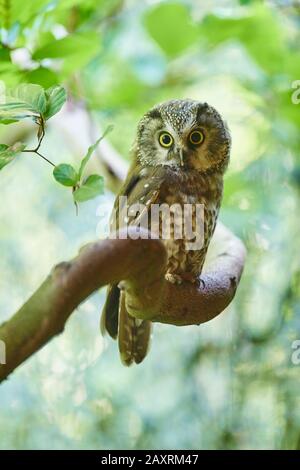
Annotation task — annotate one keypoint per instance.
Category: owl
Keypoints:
(179, 158)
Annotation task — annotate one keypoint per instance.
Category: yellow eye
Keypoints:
(196, 137)
(165, 139)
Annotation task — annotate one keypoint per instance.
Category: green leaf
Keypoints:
(4, 54)
(8, 153)
(91, 149)
(92, 187)
(31, 12)
(77, 43)
(11, 114)
(171, 26)
(65, 174)
(26, 100)
(254, 31)
(31, 95)
(42, 76)
(77, 49)
(56, 98)
(8, 121)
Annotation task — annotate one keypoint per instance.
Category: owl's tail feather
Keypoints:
(134, 336)
(110, 313)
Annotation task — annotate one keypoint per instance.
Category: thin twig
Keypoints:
(40, 140)
(41, 124)
(46, 159)
(40, 155)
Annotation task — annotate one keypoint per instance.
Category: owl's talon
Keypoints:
(173, 278)
(121, 285)
(183, 277)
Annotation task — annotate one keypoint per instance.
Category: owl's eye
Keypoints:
(196, 137)
(165, 139)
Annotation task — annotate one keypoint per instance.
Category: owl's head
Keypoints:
(183, 134)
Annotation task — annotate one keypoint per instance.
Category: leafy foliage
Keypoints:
(76, 50)
(30, 100)
(24, 101)
(171, 27)
(65, 174)
(90, 151)
(236, 385)
(56, 97)
(8, 153)
(84, 189)
(91, 187)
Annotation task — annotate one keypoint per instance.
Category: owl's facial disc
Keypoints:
(183, 134)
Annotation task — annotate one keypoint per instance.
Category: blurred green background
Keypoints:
(228, 384)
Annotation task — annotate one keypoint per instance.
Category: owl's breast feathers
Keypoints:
(163, 185)
(191, 188)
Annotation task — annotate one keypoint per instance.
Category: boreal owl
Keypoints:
(179, 157)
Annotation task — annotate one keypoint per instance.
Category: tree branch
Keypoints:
(44, 315)
(147, 293)
(187, 304)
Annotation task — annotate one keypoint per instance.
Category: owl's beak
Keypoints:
(181, 156)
